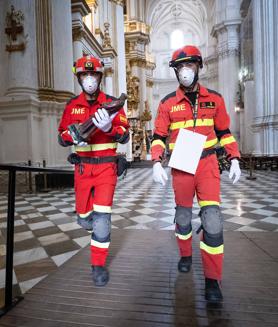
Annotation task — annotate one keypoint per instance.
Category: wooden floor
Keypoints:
(146, 289)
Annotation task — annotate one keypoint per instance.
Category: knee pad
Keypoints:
(211, 220)
(183, 216)
(102, 226)
(86, 223)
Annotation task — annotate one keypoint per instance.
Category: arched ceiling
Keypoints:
(170, 14)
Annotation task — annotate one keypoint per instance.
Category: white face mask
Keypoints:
(186, 76)
(90, 84)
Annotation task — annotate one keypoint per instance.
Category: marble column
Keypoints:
(79, 10)
(121, 48)
(108, 76)
(77, 53)
(227, 34)
(20, 66)
(265, 119)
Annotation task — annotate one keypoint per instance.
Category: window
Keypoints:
(177, 39)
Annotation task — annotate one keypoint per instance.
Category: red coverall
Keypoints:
(94, 183)
(175, 111)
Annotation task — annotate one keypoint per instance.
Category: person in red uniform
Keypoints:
(196, 108)
(95, 174)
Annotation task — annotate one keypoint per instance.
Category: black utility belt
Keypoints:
(98, 160)
(121, 162)
(207, 152)
(75, 159)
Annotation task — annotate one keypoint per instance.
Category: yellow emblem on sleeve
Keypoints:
(123, 119)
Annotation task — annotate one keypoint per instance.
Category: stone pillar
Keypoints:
(120, 68)
(79, 10)
(62, 47)
(265, 118)
(20, 65)
(108, 76)
(77, 53)
(227, 34)
(121, 48)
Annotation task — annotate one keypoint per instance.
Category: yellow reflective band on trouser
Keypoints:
(100, 245)
(190, 123)
(212, 250)
(84, 215)
(99, 208)
(184, 237)
(208, 203)
(96, 147)
(208, 144)
(158, 142)
(227, 140)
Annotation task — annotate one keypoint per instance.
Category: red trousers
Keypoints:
(206, 185)
(94, 190)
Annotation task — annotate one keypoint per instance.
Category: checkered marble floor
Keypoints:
(46, 234)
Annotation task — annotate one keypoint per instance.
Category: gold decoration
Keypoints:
(108, 72)
(139, 62)
(136, 26)
(48, 94)
(149, 83)
(107, 38)
(133, 97)
(14, 27)
(146, 115)
(92, 3)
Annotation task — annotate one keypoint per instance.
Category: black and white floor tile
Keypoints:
(46, 234)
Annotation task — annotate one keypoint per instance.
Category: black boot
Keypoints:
(213, 292)
(184, 264)
(100, 275)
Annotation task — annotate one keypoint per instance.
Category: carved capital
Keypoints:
(228, 53)
(14, 29)
(108, 72)
(118, 2)
(139, 62)
(149, 83)
(107, 38)
(77, 34)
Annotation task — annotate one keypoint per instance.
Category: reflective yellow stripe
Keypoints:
(208, 144)
(158, 142)
(84, 215)
(212, 250)
(100, 208)
(208, 203)
(181, 59)
(184, 237)
(100, 245)
(190, 123)
(227, 140)
(96, 147)
(122, 127)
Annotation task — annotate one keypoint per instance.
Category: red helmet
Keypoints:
(88, 63)
(187, 53)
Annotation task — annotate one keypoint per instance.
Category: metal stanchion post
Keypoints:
(45, 188)
(9, 301)
(30, 178)
(251, 168)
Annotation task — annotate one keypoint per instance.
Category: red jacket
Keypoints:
(175, 112)
(78, 110)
